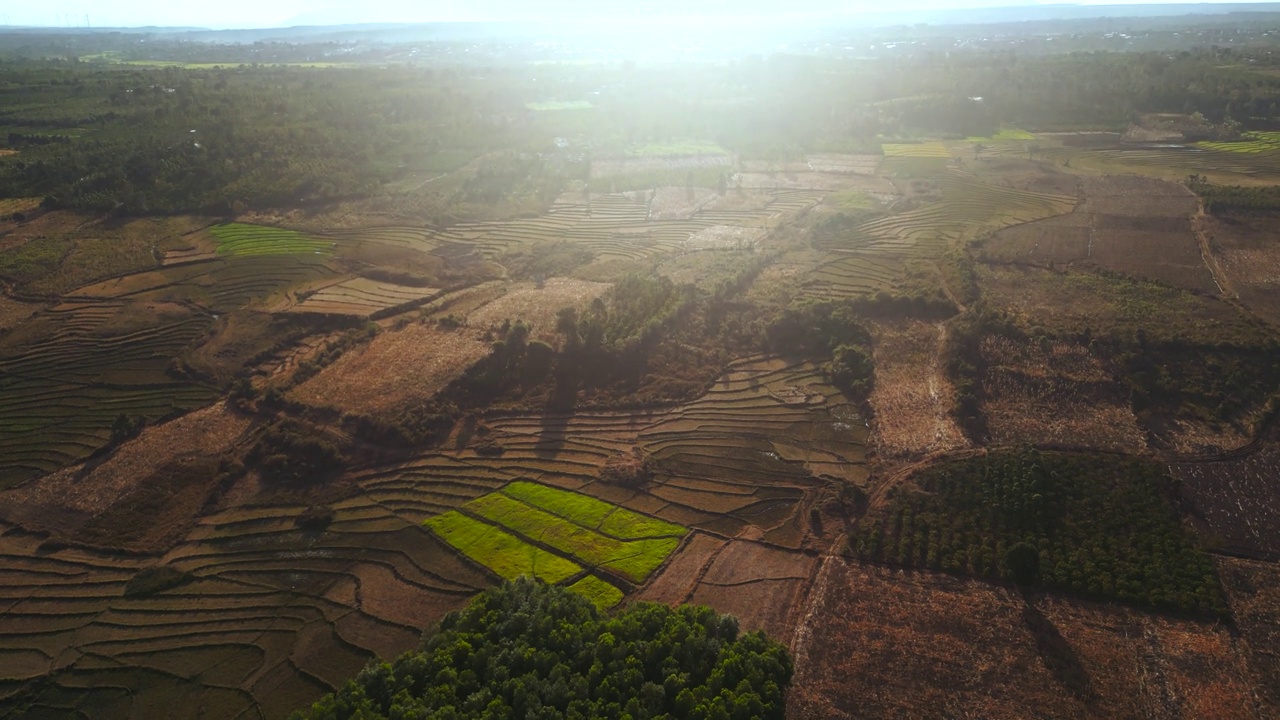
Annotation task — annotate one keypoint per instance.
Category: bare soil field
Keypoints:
(90, 488)
(839, 163)
(395, 369)
(678, 203)
(912, 400)
(537, 307)
(627, 166)
(760, 585)
(1246, 248)
(1028, 175)
(1237, 501)
(14, 312)
(738, 199)
(883, 643)
(1074, 301)
(1253, 592)
(1059, 240)
(1136, 196)
(1160, 248)
(1056, 395)
(870, 184)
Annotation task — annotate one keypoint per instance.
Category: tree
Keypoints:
(529, 650)
(1023, 561)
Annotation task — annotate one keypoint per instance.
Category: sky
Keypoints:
(279, 13)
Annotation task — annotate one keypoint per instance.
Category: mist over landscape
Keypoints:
(650, 360)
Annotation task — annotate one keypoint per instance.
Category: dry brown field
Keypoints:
(1073, 301)
(1253, 592)
(395, 369)
(1245, 248)
(1055, 393)
(1058, 240)
(885, 643)
(537, 307)
(912, 400)
(1236, 501)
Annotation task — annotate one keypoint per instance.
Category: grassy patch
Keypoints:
(589, 512)
(597, 591)
(244, 240)
(852, 200)
(1095, 526)
(501, 552)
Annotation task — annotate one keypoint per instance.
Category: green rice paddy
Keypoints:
(597, 591)
(1253, 142)
(244, 240)
(493, 529)
(500, 551)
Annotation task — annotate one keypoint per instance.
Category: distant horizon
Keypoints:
(246, 15)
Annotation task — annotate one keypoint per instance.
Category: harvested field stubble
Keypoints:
(1056, 395)
(395, 369)
(1237, 500)
(912, 398)
(885, 643)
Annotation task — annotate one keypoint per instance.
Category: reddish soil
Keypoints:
(1246, 248)
(1237, 501)
(762, 586)
(912, 398)
(395, 369)
(884, 643)
(1054, 394)
(1253, 592)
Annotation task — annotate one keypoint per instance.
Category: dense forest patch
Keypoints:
(527, 650)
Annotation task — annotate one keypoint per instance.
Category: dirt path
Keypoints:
(1219, 276)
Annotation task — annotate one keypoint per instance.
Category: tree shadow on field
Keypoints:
(552, 436)
(1059, 658)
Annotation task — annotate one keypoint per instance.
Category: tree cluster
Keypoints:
(529, 651)
(1099, 527)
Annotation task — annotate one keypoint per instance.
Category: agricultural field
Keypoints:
(973, 425)
(1243, 246)
(362, 297)
(1072, 301)
(910, 643)
(242, 240)
(1056, 394)
(1235, 500)
(913, 400)
(506, 532)
(396, 369)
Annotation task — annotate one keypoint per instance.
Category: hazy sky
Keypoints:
(274, 13)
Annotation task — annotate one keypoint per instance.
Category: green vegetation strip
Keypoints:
(633, 559)
(1095, 526)
(597, 591)
(243, 240)
(591, 513)
(1252, 142)
(508, 556)
(499, 530)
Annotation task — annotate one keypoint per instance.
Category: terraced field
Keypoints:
(61, 392)
(531, 529)
(362, 297)
(1252, 142)
(872, 256)
(244, 240)
(922, 150)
